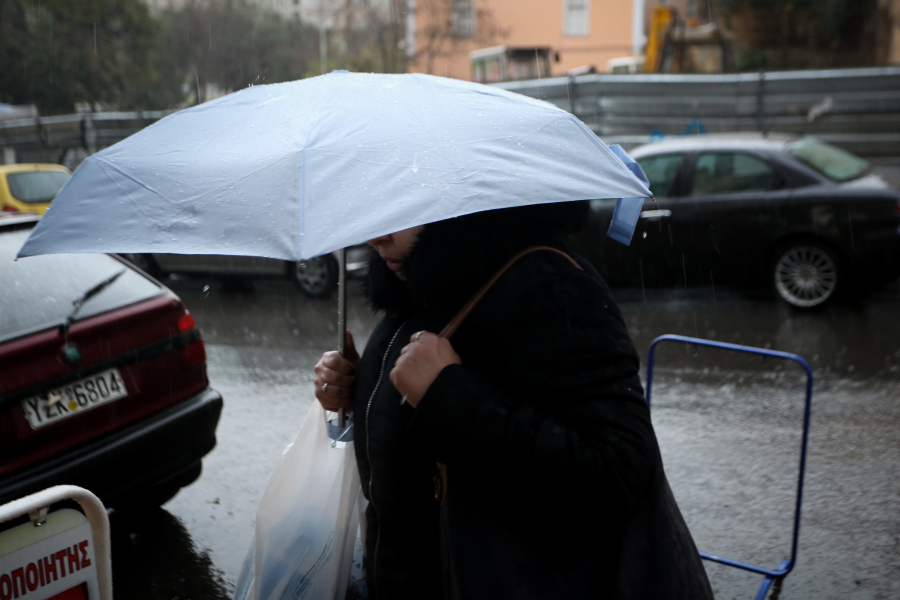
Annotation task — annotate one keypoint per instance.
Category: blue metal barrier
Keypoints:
(787, 565)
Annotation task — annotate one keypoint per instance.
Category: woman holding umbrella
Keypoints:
(555, 484)
(555, 487)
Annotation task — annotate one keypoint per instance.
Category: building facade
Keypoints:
(563, 34)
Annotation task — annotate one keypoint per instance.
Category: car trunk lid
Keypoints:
(151, 348)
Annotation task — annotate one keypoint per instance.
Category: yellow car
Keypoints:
(30, 187)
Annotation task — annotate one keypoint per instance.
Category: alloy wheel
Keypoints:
(806, 276)
(317, 276)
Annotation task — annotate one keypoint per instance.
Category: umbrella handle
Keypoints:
(342, 316)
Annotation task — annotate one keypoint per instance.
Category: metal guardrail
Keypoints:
(787, 565)
(89, 132)
(857, 109)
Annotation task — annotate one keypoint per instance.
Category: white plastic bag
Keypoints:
(309, 535)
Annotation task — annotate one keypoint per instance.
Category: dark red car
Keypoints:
(102, 378)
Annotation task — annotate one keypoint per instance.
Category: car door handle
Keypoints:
(655, 214)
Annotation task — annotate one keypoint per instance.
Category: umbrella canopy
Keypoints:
(296, 170)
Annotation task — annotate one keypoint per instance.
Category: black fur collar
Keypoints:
(453, 258)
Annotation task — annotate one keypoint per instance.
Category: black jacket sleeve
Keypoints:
(560, 409)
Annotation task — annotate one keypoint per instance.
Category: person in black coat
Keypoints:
(555, 485)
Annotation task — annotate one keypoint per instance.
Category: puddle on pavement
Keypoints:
(155, 558)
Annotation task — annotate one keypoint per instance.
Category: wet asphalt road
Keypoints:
(729, 428)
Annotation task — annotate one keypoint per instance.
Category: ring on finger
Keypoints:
(324, 387)
(418, 335)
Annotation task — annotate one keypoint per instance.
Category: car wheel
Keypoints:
(806, 274)
(145, 263)
(317, 277)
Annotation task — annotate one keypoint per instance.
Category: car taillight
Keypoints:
(195, 353)
(8, 208)
(186, 322)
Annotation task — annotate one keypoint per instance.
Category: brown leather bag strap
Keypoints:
(440, 480)
(450, 329)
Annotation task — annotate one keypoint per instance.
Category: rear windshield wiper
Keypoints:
(79, 302)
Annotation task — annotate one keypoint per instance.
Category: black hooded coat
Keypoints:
(556, 485)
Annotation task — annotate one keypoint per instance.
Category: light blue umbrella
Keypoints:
(295, 170)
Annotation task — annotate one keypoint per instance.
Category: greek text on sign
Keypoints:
(61, 565)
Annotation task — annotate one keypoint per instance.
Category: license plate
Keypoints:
(73, 398)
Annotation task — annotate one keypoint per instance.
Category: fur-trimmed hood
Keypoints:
(453, 258)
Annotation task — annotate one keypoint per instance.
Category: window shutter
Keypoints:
(577, 17)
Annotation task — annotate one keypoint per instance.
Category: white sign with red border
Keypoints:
(53, 561)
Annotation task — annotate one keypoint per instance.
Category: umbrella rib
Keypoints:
(115, 182)
(174, 201)
(126, 175)
(301, 184)
(179, 215)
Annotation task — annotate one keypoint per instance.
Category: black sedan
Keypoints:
(791, 214)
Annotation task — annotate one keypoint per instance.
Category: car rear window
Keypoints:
(36, 186)
(38, 291)
(830, 161)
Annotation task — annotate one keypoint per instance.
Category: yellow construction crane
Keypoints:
(659, 23)
(676, 47)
